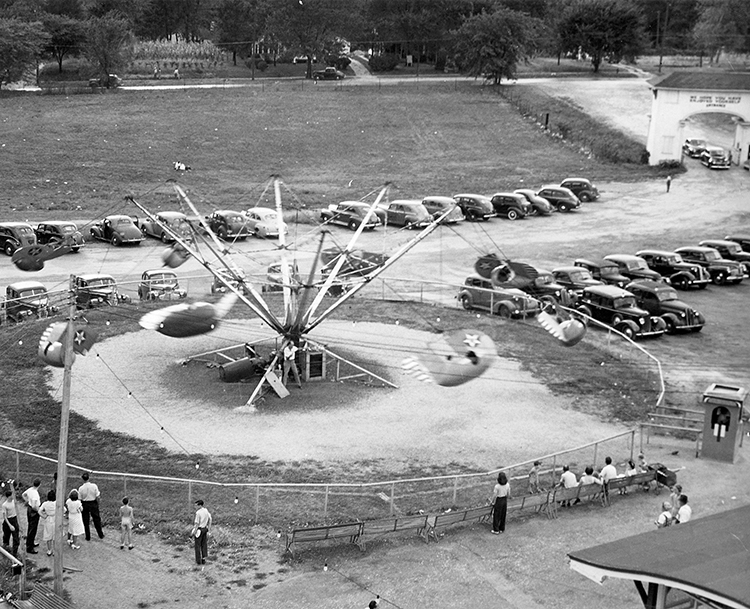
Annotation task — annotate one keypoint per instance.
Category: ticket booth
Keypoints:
(723, 427)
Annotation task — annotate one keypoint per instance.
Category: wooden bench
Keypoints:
(571, 496)
(375, 528)
(539, 501)
(476, 514)
(350, 530)
(42, 598)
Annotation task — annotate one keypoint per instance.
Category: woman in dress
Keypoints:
(75, 519)
(500, 495)
(47, 513)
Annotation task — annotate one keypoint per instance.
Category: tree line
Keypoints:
(485, 38)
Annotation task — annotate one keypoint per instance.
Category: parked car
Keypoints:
(328, 73)
(581, 188)
(539, 205)
(14, 235)
(228, 224)
(403, 212)
(617, 308)
(59, 232)
(108, 81)
(721, 270)
(715, 157)
(670, 265)
(475, 207)
(174, 220)
(605, 271)
(263, 222)
(562, 199)
(574, 278)
(437, 206)
(743, 240)
(97, 290)
(27, 300)
(349, 214)
(660, 299)
(510, 205)
(117, 230)
(731, 251)
(633, 267)
(236, 279)
(479, 293)
(158, 284)
(547, 290)
(694, 147)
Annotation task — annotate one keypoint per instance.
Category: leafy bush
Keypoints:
(671, 164)
(383, 63)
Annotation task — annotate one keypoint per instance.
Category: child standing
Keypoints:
(126, 524)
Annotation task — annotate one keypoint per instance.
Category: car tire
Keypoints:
(534, 211)
(466, 302)
(616, 319)
(8, 248)
(143, 232)
(504, 310)
(584, 197)
(512, 214)
(352, 225)
(720, 279)
(222, 233)
(626, 328)
(116, 241)
(165, 238)
(75, 249)
(671, 324)
(563, 208)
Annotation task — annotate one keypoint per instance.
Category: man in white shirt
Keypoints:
(609, 472)
(685, 513)
(290, 363)
(33, 501)
(568, 478)
(201, 525)
(89, 494)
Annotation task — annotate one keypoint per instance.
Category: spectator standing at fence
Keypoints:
(89, 494)
(643, 467)
(10, 521)
(47, 514)
(201, 526)
(74, 509)
(500, 495)
(177, 74)
(665, 518)
(534, 486)
(33, 501)
(126, 524)
(674, 498)
(685, 512)
(669, 182)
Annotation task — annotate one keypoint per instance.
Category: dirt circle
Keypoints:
(502, 417)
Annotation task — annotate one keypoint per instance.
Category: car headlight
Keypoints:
(642, 321)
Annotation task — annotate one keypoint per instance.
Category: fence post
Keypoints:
(632, 443)
(190, 492)
(393, 496)
(124, 486)
(257, 502)
(554, 469)
(18, 467)
(596, 450)
(455, 489)
(325, 505)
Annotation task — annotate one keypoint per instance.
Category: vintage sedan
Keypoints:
(96, 290)
(633, 267)
(715, 157)
(617, 308)
(475, 207)
(159, 284)
(15, 235)
(562, 199)
(173, 220)
(117, 230)
(228, 224)
(660, 299)
(59, 232)
(328, 73)
(350, 214)
(694, 147)
(511, 205)
(546, 289)
(721, 270)
(605, 271)
(479, 293)
(27, 300)
(575, 278)
(742, 239)
(404, 212)
(670, 265)
(539, 205)
(437, 206)
(581, 188)
(731, 251)
(263, 222)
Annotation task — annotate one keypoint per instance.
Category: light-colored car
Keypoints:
(480, 293)
(175, 220)
(263, 222)
(15, 235)
(437, 206)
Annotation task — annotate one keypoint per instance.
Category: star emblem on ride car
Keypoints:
(472, 340)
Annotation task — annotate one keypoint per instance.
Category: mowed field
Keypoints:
(58, 153)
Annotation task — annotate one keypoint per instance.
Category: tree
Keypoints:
(21, 44)
(492, 44)
(239, 24)
(66, 37)
(721, 26)
(602, 29)
(108, 41)
(68, 8)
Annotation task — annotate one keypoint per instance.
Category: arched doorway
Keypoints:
(681, 95)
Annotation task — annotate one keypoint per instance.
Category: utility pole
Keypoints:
(62, 451)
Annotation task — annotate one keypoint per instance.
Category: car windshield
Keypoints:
(163, 278)
(637, 265)
(675, 259)
(713, 255)
(624, 302)
(269, 217)
(31, 292)
(582, 275)
(733, 248)
(101, 282)
(235, 219)
(716, 153)
(609, 271)
(668, 294)
(68, 228)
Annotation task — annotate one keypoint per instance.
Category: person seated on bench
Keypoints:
(567, 480)
(630, 470)
(589, 478)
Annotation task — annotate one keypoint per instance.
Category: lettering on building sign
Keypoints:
(715, 101)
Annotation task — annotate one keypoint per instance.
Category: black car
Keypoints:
(581, 188)
(547, 290)
(475, 207)
(730, 250)
(539, 205)
(715, 157)
(617, 308)
(721, 270)
(59, 232)
(511, 205)
(562, 199)
(574, 278)
(633, 267)
(743, 240)
(228, 224)
(660, 299)
(670, 265)
(14, 235)
(349, 214)
(694, 147)
(329, 73)
(605, 271)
